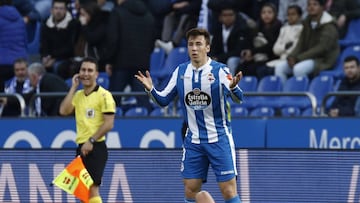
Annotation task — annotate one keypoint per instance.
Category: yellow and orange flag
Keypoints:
(75, 180)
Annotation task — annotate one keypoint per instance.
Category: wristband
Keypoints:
(92, 140)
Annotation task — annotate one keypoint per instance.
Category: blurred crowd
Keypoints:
(259, 38)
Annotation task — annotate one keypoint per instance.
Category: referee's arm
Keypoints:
(66, 107)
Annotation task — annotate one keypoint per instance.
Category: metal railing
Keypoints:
(20, 99)
(310, 96)
(63, 94)
(331, 94)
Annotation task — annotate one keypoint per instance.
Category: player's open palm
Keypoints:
(145, 79)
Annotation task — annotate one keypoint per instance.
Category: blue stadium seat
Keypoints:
(136, 112)
(248, 84)
(290, 112)
(157, 112)
(268, 83)
(294, 84)
(69, 83)
(103, 80)
(319, 87)
(119, 112)
(308, 112)
(177, 56)
(33, 33)
(262, 112)
(352, 35)
(239, 111)
(157, 60)
(337, 72)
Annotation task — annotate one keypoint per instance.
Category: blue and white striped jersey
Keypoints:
(203, 93)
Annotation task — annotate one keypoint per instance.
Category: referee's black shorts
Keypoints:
(95, 161)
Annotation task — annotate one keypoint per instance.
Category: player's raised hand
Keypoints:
(145, 79)
(235, 80)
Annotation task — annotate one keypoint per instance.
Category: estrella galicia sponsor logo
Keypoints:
(197, 99)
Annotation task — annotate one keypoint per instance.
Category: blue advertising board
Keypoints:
(127, 133)
(320, 133)
(153, 176)
(315, 133)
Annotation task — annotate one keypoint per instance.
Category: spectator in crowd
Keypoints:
(43, 82)
(345, 105)
(284, 5)
(230, 38)
(289, 35)
(183, 16)
(216, 6)
(93, 32)
(204, 197)
(27, 10)
(344, 11)
(20, 84)
(59, 34)
(252, 8)
(317, 48)
(254, 59)
(13, 43)
(130, 41)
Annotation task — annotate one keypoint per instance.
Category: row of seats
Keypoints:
(319, 86)
(236, 111)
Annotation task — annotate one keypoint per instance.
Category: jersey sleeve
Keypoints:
(75, 98)
(167, 95)
(236, 93)
(108, 103)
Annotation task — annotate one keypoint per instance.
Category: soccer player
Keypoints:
(203, 86)
(94, 109)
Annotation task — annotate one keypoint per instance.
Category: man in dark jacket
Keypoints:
(230, 38)
(344, 105)
(43, 82)
(58, 36)
(130, 41)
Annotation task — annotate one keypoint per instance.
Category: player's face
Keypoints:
(198, 49)
(88, 74)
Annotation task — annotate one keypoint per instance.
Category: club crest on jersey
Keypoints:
(90, 113)
(197, 99)
(211, 78)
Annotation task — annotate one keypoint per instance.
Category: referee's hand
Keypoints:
(86, 148)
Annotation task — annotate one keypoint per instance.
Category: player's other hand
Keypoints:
(145, 79)
(235, 80)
